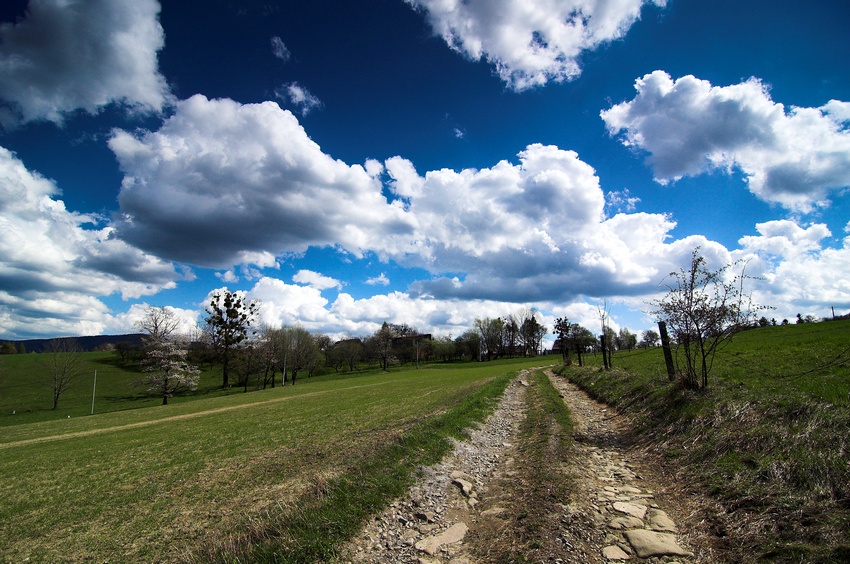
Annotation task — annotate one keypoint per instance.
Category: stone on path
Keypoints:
(659, 521)
(493, 512)
(453, 534)
(650, 543)
(614, 552)
(465, 486)
(627, 522)
(633, 509)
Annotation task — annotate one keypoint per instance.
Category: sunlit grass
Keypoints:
(163, 482)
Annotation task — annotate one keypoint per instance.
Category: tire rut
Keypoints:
(472, 506)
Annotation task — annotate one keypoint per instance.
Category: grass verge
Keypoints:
(769, 439)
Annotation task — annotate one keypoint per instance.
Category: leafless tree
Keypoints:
(64, 362)
(703, 310)
(159, 324)
(531, 331)
(491, 331)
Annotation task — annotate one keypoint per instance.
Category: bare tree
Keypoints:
(380, 345)
(606, 340)
(531, 331)
(511, 334)
(268, 349)
(159, 324)
(491, 331)
(704, 309)
(63, 364)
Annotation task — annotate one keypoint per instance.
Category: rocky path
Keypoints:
(470, 507)
(614, 497)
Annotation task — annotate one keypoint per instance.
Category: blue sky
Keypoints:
(349, 163)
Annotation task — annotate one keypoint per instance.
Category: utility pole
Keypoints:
(93, 387)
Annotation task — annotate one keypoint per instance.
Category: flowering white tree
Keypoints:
(165, 355)
(168, 370)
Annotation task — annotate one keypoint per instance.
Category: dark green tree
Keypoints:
(228, 322)
(491, 331)
(649, 339)
(562, 331)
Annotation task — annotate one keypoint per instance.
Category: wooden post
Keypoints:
(604, 350)
(668, 354)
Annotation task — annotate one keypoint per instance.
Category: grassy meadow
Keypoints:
(26, 395)
(281, 475)
(769, 438)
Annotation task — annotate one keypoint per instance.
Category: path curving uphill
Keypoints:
(585, 500)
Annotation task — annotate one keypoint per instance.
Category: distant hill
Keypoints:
(89, 343)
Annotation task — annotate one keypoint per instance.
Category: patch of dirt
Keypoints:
(494, 500)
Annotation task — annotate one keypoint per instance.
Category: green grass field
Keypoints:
(277, 475)
(27, 397)
(770, 437)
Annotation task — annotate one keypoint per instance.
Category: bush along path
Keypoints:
(545, 478)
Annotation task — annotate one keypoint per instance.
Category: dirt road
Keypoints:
(521, 490)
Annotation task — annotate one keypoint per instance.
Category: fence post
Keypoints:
(668, 354)
(604, 351)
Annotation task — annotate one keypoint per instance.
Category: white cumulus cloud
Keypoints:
(316, 280)
(54, 263)
(380, 280)
(65, 56)
(793, 157)
(525, 232)
(221, 183)
(797, 272)
(530, 42)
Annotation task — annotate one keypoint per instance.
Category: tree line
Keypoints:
(252, 356)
